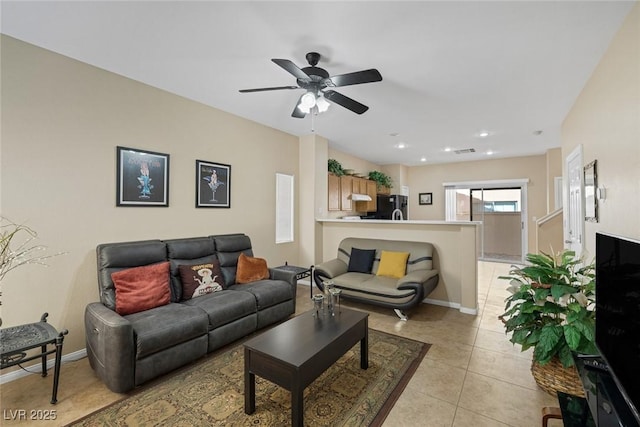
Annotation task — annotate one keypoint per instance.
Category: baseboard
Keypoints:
(36, 367)
(449, 304)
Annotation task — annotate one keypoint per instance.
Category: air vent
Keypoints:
(465, 151)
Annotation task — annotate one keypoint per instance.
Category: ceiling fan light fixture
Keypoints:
(307, 101)
(322, 104)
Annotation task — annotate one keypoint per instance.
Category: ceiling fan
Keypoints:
(316, 80)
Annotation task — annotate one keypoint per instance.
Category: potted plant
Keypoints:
(382, 180)
(335, 167)
(552, 309)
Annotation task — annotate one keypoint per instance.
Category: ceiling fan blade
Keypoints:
(345, 101)
(359, 77)
(263, 89)
(292, 68)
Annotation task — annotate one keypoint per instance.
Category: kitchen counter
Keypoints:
(404, 222)
(455, 256)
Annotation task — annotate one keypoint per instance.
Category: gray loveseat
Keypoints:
(400, 294)
(128, 350)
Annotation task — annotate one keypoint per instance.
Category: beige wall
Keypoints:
(549, 234)
(429, 179)
(399, 176)
(605, 119)
(554, 169)
(61, 123)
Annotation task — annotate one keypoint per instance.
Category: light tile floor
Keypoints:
(471, 376)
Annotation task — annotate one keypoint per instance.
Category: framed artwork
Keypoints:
(425, 198)
(213, 185)
(142, 178)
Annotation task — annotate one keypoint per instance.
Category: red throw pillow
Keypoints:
(200, 279)
(141, 288)
(251, 269)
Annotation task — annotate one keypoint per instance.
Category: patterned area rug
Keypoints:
(212, 392)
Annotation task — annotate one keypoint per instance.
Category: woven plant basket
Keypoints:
(554, 377)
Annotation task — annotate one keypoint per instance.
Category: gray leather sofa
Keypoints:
(126, 351)
(399, 294)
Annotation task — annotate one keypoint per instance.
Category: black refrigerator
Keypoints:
(388, 203)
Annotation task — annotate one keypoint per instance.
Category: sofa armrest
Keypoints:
(287, 276)
(422, 281)
(417, 276)
(328, 270)
(110, 346)
(332, 268)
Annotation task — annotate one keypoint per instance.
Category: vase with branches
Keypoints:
(17, 248)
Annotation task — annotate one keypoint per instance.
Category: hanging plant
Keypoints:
(335, 167)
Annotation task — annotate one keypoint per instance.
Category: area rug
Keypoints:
(211, 392)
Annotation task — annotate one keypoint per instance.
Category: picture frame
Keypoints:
(142, 178)
(213, 185)
(425, 198)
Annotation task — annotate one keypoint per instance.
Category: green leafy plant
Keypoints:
(381, 178)
(335, 167)
(552, 306)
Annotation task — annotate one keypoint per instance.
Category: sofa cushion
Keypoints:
(228, 249)
(225, 306)
(200, 279)
(371, 287)
(114, 257)
(267, 292)
(141, 288)
(191, 250)
(251, 269)
(393, 264)
(361, 260)
(163, 327)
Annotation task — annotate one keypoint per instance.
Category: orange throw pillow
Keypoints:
(141, 288)
(251, 269)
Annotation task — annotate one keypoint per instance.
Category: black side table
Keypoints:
(301, 273)
(16, 340)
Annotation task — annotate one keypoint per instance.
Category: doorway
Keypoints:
(501, 207)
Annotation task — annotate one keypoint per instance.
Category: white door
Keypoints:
(574, 220)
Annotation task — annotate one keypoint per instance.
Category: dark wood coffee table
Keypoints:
(295, 353)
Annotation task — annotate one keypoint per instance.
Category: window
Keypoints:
(284, 208)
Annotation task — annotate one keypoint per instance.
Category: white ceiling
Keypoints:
(450, 69)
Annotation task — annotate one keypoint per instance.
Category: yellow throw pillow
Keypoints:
(393, 264)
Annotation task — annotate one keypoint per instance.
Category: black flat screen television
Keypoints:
(618, 313)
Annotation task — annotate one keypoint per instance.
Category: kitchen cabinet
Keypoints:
(346, 190)
(334, 193)
(371, 189)
(359, 185)
(341, 188)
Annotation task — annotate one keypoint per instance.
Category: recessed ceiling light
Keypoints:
(489, 153)
(447, 149)
(537, 132)
(401, 146)
(394, 134)
(423, 159)
(483, 134)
